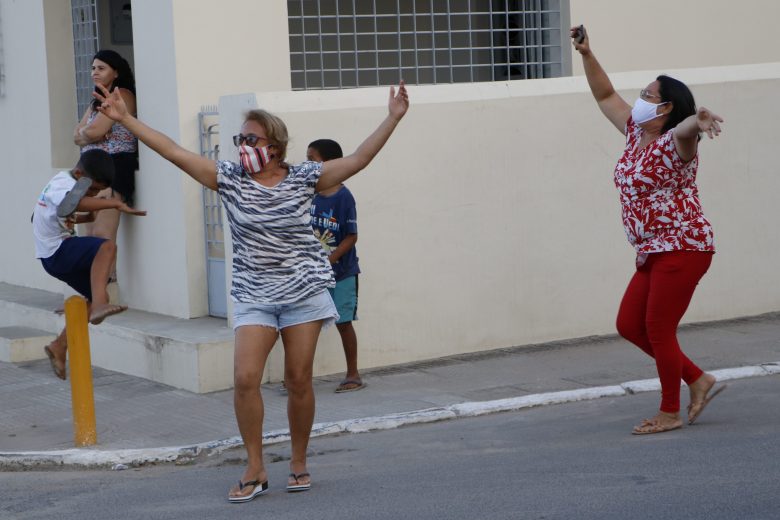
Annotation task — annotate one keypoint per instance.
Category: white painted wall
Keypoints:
(491, 219)
(32, 112)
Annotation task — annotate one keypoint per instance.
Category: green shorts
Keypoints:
(345, 296)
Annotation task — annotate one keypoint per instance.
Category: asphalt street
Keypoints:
(571, 461)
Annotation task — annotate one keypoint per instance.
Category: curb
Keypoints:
(121, 459)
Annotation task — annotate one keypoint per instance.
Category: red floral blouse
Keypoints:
(659, 197)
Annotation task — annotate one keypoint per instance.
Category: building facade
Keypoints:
(489, 220)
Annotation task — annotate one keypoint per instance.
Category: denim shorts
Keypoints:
(345, 296)
(72, 263)
(317, 307)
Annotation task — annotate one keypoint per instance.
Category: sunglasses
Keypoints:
(250, 140)
(644, 94)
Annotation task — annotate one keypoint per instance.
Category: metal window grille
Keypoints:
(212, 215)
(2, 60)
(357, 43)
(85, 45)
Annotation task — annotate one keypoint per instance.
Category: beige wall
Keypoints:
(186, 56)
(190, 52)
(61, 82)
(674, 34)
(491, 220)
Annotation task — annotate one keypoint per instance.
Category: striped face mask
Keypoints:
(253, 159)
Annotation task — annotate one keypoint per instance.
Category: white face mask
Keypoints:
(643, 111)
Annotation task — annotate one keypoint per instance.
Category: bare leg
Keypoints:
(349, 342)
(253, 344)
(300, 342)
(700, 388)
(101, 267)
(106, 224)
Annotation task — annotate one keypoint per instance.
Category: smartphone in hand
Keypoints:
(579, 34)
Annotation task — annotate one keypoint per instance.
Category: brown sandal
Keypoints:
(56, 365)
(695, 409)
(649, 426)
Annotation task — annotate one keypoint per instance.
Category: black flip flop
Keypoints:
(359, 385)
(298, 487)
(260, 488)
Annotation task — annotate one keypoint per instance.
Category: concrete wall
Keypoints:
(491, 219)
(186, 56)
(190, 52)
(34, 112)
(673, 34)
(61, 82)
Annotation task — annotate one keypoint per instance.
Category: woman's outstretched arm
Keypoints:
(338, 170)
(686, 133)
(611, 104)
(200, 168)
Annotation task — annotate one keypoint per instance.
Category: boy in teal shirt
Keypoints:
(334, 219)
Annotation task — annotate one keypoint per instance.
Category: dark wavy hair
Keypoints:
(125, 78)
(679, 95)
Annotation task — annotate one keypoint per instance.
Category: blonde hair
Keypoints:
(275, 129)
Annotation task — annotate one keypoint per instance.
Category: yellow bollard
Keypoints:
(82, 397)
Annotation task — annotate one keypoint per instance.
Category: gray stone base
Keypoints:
(19, 344)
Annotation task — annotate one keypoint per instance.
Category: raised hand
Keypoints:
(111, 103)
(399, 102)
(582, 47)
(708, 122)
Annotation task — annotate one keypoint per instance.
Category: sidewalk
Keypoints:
(142, 416)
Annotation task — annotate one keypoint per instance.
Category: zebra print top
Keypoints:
(276, 257)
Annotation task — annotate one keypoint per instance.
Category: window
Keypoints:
(85, 45)
(358, 43)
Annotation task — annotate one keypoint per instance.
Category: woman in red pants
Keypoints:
(662, 216)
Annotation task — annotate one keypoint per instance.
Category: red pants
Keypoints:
(654, 304)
